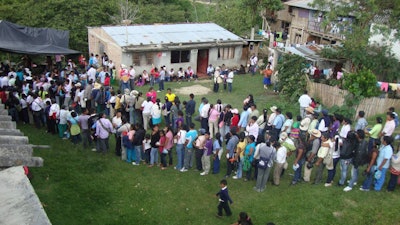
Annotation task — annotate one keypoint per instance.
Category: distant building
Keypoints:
(173, 45)
(304, 24)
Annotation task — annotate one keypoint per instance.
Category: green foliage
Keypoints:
(361, 84)
(344, 110)
(291, 76)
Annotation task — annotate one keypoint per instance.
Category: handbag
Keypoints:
(221, 124)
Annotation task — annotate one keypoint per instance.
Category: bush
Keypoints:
(361, 84)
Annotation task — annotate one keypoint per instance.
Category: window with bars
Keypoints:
(180, 56)
(150, 58)
(136, 59)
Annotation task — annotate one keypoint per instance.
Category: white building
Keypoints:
(173, 45)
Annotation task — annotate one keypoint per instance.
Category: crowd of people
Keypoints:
(146, 127)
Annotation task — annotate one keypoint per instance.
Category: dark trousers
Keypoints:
(198, 155)
(216, 87)
(51, 125)
(392, 182)
(36, 118)
(170, 157)
(188, 119)
(117, 145)
(332, 172)
(225, 206)
(147, 155)
(204, 123)
(86, 140)
(216, 165)
(229, 167)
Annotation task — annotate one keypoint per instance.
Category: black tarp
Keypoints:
(33, 41)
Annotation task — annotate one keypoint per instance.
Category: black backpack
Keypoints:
(361, 158)
(349, 146)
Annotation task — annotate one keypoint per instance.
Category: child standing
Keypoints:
(147, 148)
(223, 199)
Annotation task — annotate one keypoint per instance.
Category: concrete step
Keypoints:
(14, 140)
(16, 151)
(7, 161)
(5, 118)
(10, 132)
(8, 124)
(3, 112)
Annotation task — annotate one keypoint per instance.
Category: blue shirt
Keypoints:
(231, 145)
(243, 119)
(247, 150)
(190, 136)
(278, 121)
(385, 152)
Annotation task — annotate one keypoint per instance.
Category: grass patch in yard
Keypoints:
(82, 187)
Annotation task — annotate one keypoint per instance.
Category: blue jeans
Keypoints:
(368, 180)
(161, 85)
(124, 86)
(379, 182)
(180, 154)
(354, 176)
(239, 169)
(153, 156)
(188, 119)
(138, 151)
(132, 115)
(230, 87)
(297, 173)
(332, 172)
(344, 164)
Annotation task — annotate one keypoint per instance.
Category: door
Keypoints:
(202, 62)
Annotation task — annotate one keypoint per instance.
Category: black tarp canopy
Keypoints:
(33, 41)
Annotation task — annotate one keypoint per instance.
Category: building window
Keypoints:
(150, 58)
(136, 59)
(180, 56)
(226, 53)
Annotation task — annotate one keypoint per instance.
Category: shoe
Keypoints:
(93, 150)
(218, 216)
(339, 184)
(328, 184)
(135, 164)
(203, 173)
(245, 180)
(184, 170)
(164, 168)
(158, 91)
(362, 189)
(255, 188)
(226, 176)
(346, 189)
(293, 183)
(174, 167)
(235, 177)
(355, 183)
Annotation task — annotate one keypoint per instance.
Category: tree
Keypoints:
(262, 9)
(291, 76)
(356, 47)
(128, 13)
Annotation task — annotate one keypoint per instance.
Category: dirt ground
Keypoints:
(196, 89)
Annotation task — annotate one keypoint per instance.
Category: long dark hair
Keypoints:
(218, 138)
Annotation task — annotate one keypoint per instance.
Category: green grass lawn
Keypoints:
(82, 187)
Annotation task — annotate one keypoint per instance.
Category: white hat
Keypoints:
(273, 108)
(316, 133)
(235, 111)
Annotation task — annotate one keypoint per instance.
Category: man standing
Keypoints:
(390, 125)
(230, 149)
(204, 114)
(191, 135)
(314, 144)
(253, 64)
(103, 130)
(132, 75)
(304, 101)
(190, 106)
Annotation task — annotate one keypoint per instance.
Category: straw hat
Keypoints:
(78, 84)
(316, 133)
(273, 108)
(127, 91)
(134, 93)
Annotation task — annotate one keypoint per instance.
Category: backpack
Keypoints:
(263, 162)
(347, 150)
(126, 142)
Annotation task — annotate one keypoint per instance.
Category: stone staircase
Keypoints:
(15, 149)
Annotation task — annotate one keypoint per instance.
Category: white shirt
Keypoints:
(305, 101)
(102, 76)
(37, 104)
(345, 129)
(116, 121)
(54, 108)
(147, 105)
(281, 155)
(4, 81)
(253, 60)
(204, 111)
(389, 127)
(63, 116)
(132, 73)
(181, 137)
(91, 74)
(230, 77)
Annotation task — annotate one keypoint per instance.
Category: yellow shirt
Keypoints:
(171, 97)
(240, 147)
(117, 103)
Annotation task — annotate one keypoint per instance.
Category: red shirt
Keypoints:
(162, 143)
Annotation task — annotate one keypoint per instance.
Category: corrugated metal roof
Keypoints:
(169, 34)
(300, 4)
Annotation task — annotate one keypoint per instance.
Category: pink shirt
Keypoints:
(214, 115)
(153, 95)
(170, 142)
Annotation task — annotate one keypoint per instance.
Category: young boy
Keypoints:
(223, 199)
(147, 148)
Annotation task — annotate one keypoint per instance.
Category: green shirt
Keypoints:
(374, 132)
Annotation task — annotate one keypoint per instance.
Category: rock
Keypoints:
(19, 203)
